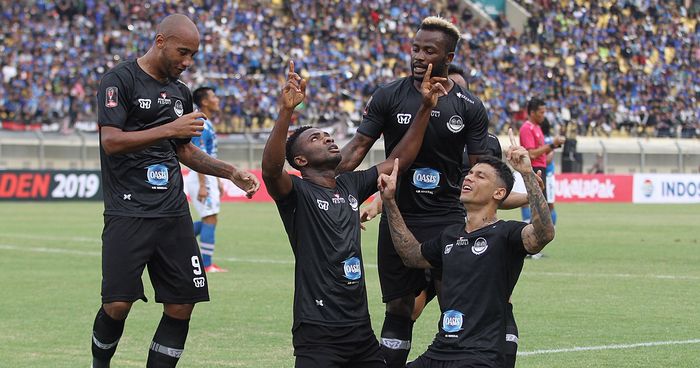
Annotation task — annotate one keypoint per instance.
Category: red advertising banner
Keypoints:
(593, 188)
(233, 194)
(49, 185)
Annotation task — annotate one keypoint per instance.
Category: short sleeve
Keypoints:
(527, 138)
(188, 107)
(113, 98)
(432, 251)
(478, 129)
(364, 181)
(374, 115)
(515, 237)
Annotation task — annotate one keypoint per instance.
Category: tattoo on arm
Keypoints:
(405, 243)
(202, 163)
(541, 230)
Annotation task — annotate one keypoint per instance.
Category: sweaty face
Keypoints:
(318, 149)
(178, 54)
(480, 185)
(429, 47)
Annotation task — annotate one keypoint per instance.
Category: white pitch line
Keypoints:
(368, 265)
(608, 347)
(77, 239)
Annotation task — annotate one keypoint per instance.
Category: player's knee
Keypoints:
(178, 311)
(211, 220)
(402, 306)
(117, 310)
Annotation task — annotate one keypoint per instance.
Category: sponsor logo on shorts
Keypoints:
(403, 119)
(480, 246)
(111, 97)
(455, 124)
(452, 321)
(352, 268)
(322, 204)
(199, 282)
(178, 108)
(426, 178)
(157, 176)
(353, 202)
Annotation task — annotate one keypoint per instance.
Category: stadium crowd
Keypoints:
(607, 67)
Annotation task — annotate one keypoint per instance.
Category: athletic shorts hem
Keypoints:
(123, 298)
(400, 294)
(183, 301)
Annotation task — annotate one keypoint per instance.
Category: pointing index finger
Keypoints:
(428, 72)
(291, 66)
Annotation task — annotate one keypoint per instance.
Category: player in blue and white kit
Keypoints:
(205, 190)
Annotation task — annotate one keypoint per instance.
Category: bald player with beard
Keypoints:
(146, 122)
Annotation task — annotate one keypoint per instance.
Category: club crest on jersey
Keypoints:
(353, 202)
(111, 97)
(157, 175)
(426, 178)
(322, 204)
(455, 124)
(448, 248)
(480, 246)
(352, 268)
(145, 103)
(452, 321)
(178, 108)
(403, 119)
(163, 99)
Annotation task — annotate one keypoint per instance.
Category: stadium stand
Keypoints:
(608, 69)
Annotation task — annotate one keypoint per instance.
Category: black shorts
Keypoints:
(319, 346)
(511, 337)
(166, 245)
(397, 280)
(425, 362)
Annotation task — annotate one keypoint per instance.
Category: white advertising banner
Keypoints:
(666, 188)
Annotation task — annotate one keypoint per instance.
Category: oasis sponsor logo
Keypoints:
(157, 176)
(455, 124)
(480, 246)
(403, 119)
(426, 178)
(353, 202)
(452, 321)
(352, 268)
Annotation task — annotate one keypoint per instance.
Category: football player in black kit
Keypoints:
(428, 193)
(480, 261)
(146, 121)
(320, 212)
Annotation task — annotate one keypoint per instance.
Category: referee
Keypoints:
(146, 121)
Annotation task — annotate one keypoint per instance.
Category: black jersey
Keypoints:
(323, 226)
(431, 186)
(146, 183)
(479, 271)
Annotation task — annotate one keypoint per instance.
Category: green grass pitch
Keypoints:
(619, 287)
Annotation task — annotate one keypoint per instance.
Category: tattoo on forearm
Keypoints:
(405, 243)
(541, 219)
(205, 164)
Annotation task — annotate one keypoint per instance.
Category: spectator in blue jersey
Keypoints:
(205, 190)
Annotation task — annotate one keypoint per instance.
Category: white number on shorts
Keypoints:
(197, 267)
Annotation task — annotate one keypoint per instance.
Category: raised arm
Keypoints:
(116, 141)
(276, 178)
(540, 231)
(407, 246)
(354, 152)
(407, 149)
(199, 161)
